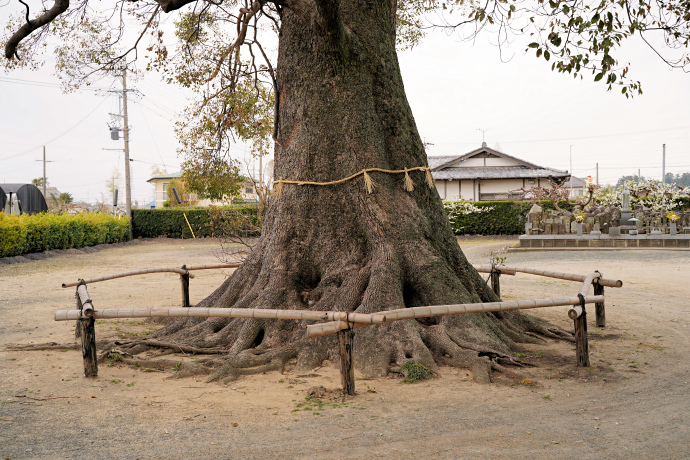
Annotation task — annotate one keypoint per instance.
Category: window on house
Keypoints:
(165, 186)
(249, 190)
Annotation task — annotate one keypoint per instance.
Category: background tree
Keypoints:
(61, 203)
(187, 197)
(379, 241)
(637, 179)
(114, 183)
(38, 182)
(212, 177)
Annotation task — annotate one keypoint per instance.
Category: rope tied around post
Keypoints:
(369, 183)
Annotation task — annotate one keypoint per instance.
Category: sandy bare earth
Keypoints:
(632, 403)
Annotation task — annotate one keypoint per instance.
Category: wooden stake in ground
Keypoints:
(496, 281)
(581, 344)
(347, 374)
(599, 306)
(87, 332)
(184, 280)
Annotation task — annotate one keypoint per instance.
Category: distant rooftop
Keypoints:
(174, 175)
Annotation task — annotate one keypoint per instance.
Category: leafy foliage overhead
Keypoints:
(224, 52)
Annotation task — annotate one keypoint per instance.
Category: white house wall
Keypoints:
(470, 163)
(498, 161)
(453, 190)
(501, 186)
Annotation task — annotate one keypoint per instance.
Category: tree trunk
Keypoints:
(342, 108)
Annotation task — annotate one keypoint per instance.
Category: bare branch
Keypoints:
(58, 8)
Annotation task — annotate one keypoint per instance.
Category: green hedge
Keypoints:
(170, 222)
(506, 218)
(41, 232)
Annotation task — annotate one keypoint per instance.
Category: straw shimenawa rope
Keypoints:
(368, 182)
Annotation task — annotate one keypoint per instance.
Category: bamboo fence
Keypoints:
(505, 270)
(143, 271)
(340, 323)
(308, 315)
(209, 267)
(322, 329)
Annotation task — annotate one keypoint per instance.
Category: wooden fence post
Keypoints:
(87, 331)
(347, 375)
(581, 344)
(184, 280)
(496, 281)
(599, 306)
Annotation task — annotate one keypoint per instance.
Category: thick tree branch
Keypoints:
(171, 5)
(58, 8)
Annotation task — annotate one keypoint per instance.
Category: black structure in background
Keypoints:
(30, 197)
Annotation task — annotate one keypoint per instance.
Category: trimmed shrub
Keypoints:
(42, 232)
(492, 217)
(170, 222)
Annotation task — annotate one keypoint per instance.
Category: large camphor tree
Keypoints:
(338, 107)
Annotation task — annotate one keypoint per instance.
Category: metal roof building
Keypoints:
(486, 174)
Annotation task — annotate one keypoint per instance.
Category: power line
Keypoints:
(56, 137)
(153, 138)
(570, 138)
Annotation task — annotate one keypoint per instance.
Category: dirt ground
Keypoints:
(632, 403)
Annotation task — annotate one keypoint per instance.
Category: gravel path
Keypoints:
(632, 403)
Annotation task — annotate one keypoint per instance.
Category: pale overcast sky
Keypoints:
(456, 89)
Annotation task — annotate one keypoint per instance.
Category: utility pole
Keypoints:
(128, 190)
(44, 173)
(597, 174)
(571, 172)
(663, 165)
(114, 135)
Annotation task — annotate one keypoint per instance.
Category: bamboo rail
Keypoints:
(173, 312)
(84, 304)
(549, 274)
(318, 330)
(490, 269)
(130, 273)
(209, 267)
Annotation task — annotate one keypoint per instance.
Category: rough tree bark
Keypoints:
(342, 108)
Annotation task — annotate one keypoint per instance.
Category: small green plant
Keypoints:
(415, 372)
(116, 357)
(547, 396)
(497, 260)
(520, 355)
(177, 366)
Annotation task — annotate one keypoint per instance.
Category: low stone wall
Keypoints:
(604, 241)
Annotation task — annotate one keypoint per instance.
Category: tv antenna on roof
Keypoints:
(483, 135)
